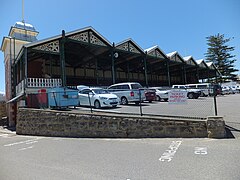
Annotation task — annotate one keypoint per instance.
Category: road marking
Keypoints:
(3, 135)
(22, 149)
(30, 141)
(200, 150)
(170, 152)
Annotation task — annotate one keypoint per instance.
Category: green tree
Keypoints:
(221, 55)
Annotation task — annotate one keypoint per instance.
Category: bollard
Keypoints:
(140, 104)
(90, 102)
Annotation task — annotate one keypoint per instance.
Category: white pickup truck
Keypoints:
(128, 92)
(191, 93)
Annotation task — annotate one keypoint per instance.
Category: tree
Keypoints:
(221, 55)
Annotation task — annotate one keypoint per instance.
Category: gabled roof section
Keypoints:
(155, 51)
(190, 60)
(169, 55)
(84, 35)
(175, 56)
(130, 46)
(89, 35)
(211, 65)
(201, 63)
(69, 34)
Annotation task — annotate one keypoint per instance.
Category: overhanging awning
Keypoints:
(15, 98)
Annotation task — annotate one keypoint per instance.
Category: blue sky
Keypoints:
(173, 25)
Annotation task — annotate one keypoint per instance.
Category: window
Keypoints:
(85, 91)
(136, 86)
(126, 86)
(101, 91)
(202, 86)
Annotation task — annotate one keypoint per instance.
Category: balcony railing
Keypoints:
(42, 82)
(37, 82)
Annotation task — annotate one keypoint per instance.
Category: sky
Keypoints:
(173, 25)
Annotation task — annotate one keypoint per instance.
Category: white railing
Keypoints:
(42, 82)
(37, 82)
(20, 88)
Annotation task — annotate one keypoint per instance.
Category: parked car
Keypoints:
(98, 98)
(225, 90)
(204, 87)
(215, 88)
(238, 88)
(150, 95)
(191, 93)
(128, 92)
(233, 89)
(161, 93)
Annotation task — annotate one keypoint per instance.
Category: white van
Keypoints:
(128, 92)
(204, 87)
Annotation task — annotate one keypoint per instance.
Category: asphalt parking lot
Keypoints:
(227, 106)
(31, 157)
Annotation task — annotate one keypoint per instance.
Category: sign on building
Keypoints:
(177, 97)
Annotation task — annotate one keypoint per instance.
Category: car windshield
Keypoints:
(101, 91)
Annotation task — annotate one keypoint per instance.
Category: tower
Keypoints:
(21, 33)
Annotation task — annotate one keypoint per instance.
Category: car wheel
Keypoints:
(165, 100)
(124, 101)
(190, 95)
(97, 104)
(158, 98)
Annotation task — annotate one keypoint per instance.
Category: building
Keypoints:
(86, 57)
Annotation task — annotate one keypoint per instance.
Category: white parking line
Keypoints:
(22, 149)
(3, 135)
(16, 143)
(30, 141)
(170, 152)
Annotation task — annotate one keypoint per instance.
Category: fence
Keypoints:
(70, 99)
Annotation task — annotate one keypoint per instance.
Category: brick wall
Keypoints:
(84, 124)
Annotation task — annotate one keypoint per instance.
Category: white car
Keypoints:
(161, 94)
(97, 98)
(238, 88)
(225, 90)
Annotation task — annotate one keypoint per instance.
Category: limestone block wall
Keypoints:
(85, 124)
(3, 109)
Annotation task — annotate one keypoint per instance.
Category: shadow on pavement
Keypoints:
(229, 131)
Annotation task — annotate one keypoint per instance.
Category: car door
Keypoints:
(83, 97)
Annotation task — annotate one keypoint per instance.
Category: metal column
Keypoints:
(62, 58)
(145, 69)
(26, 67)
(96, 73)
(113, 65)
(168, 74)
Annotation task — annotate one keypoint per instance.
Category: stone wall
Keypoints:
(2, 109)
(85, 124)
